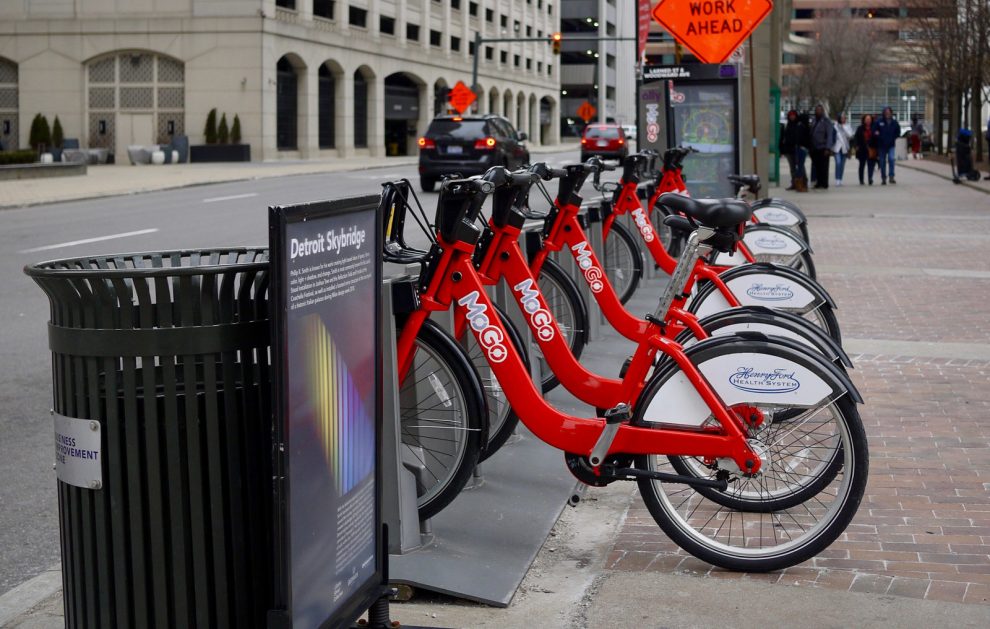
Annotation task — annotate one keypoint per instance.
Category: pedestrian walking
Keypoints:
(917, 132)
(822, 140)
(843, 140)
(888, 130)
(987, 137)
(791, 146)
(865, 141)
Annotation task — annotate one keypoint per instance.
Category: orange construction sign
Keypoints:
(711, 29)
(587, 111)
(461, 97)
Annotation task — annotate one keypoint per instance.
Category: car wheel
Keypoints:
(427, 183)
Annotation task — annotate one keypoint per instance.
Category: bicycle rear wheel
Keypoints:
(568, 308)
(623, 261)
(809, 497)
(443, 418)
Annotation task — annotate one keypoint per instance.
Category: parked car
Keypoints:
(468, 145)
(605, 140)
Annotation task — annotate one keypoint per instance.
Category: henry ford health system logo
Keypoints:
(591, 272)
(764, 292)
(756, 381)
(539, 319)
(775, 216)
(768, 242)
(491, 338)
(644, 227)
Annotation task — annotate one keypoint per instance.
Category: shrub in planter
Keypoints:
(58, 136)
(26, 156)
(211, 127)
(223, 133)
(235, 131)
(40, 135)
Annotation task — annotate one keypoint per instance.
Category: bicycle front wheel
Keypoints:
(623, 262)
(568, 309)
(443, 418)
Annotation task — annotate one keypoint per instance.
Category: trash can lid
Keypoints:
(171, 263)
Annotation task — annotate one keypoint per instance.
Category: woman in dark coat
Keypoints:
(792, 146)
(867, 144)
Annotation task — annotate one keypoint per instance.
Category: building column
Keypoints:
(376, 116)
(534, 121)
(341, 11)
(424, 27)
(345, 115)
(554, 136)
(269, 111)
(309, 112)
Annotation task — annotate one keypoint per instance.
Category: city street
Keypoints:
(201, 216)
(900, 263)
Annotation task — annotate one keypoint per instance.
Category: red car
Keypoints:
(605, 140)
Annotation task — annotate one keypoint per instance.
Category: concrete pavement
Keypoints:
(903, 264)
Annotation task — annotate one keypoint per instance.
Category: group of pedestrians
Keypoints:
(872, 143)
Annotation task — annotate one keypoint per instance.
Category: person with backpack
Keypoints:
(888, 130)
(822, 141)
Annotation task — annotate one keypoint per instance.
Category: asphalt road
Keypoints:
(230, 214)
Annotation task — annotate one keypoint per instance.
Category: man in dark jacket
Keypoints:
(888, 130)
(822, 139)
(792, 141)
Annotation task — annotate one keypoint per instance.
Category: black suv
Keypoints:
(468, 145)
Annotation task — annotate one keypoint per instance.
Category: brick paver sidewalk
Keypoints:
(908, 269)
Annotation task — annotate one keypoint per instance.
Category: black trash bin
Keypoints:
(169, 352)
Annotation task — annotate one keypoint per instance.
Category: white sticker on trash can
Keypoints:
(77, 452)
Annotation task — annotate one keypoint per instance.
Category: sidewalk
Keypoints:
(945, 172)
(110, 180)
(899, 261)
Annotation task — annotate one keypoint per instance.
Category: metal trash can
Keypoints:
(166, 354)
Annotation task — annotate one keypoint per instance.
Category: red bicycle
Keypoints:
(710, 403)
(718, 286)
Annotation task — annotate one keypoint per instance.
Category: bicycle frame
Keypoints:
(454, 280)
(565, 231)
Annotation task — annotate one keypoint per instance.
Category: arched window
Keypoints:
(8, 105)
(327, 108)
(360, 110)
(286, 106)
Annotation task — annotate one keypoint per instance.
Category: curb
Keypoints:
(968, 184)
(27, 595)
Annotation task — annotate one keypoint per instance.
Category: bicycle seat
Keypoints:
(746, 181)
(709, 212)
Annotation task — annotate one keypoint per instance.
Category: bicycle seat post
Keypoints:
(693, 249)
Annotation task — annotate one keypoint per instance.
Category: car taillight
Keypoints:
(621, 141)
(427, 143)
(584, 140)
(484, 144)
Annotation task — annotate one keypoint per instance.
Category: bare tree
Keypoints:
(845, 56)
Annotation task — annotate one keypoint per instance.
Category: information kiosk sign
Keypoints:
(711, 29)
(325, 283)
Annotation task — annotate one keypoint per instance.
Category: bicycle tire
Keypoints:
(502, 419)
(449, 459)
(693, 521)
(569, 310)
(623, 262)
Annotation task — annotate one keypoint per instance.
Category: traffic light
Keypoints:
(555, 42)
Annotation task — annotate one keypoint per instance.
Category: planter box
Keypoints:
(220, 153)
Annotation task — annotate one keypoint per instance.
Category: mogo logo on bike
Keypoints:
(591, 272)
(644, 226)
(492, 339)
(541, 320)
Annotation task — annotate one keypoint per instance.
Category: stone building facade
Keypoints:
(306, 78)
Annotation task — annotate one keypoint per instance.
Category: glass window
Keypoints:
(457, 129)
(323, 8)
(357, 17)
(455, 43)
(435, 38)
(412, 32)
(386, 25)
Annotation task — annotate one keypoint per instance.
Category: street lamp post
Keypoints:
(909, 99)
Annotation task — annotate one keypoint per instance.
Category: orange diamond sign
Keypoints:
(461, 97)
(587, 111)
(711, 29)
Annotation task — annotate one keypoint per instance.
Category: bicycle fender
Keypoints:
(769, 322)
(762, 284)
(783, 203)
(777, 215)
(748, 368)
